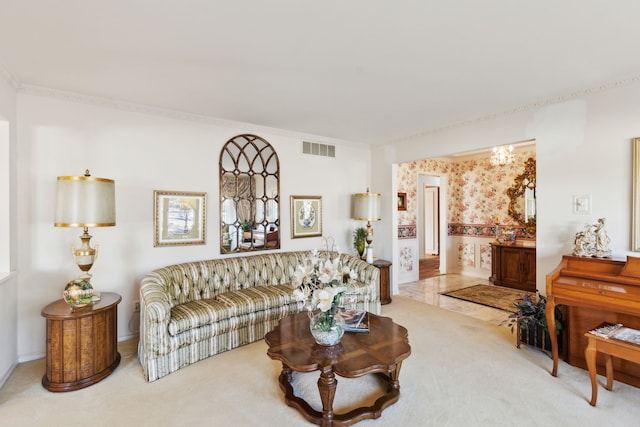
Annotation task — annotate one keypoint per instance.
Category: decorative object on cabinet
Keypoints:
(79, 292)
(84, 201)
(385, 280)
(522, 198)
(306, 216)
(366, 207)
(359, 240)
(249, 195)
(514, 266)
(402, 201)
(505, 234)
(179, 218)
(82, 345)
(593, 241)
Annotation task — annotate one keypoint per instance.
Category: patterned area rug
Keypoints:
(489, 295)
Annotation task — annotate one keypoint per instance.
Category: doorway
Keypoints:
(431, 222)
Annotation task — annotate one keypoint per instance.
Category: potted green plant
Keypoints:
(359, 240)
(246, 227)
(530, 321)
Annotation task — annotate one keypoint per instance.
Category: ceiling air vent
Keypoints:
(317, 149)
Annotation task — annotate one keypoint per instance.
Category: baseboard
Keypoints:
(8, 374)
(128, 337)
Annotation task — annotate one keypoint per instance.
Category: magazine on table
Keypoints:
(354, 320)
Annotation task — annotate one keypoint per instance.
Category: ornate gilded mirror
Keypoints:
(522, 196)
(249, 195)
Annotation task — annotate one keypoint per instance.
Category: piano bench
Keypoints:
(609, 347)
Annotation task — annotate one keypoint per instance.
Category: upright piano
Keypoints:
(595, 290)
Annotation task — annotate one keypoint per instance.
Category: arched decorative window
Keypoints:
(249, 195)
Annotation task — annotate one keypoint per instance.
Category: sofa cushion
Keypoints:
(194, 314)
(259, 298)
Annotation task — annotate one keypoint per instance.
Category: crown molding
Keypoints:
(9, 78)
(242, 126)
(524, 108)
(75, 97)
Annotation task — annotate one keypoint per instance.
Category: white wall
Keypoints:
(8, 236)
(143, 153)
(583, 146)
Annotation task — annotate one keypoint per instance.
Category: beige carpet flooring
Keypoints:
(462, 372)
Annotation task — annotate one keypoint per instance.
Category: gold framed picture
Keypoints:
(306, 216)
(179, 218)
(402, 201)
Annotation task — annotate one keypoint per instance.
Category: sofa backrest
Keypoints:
(192, 281)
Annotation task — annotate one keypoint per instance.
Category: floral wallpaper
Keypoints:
(485, 257)
(467, 254)
(477, 198)
(406, 259)
(477, 191)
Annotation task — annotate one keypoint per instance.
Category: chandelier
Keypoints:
(502, 155)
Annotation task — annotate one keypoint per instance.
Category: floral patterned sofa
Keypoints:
(194, 310)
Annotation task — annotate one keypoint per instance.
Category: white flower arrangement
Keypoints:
(321, 279)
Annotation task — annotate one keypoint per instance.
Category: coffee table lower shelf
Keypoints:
(327, 392)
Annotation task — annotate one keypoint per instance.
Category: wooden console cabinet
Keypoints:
(82, 345)
(385, 280)
(514, 266)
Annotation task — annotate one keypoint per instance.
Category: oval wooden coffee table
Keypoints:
(379, 351)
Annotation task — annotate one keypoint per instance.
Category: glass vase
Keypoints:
(326, 327)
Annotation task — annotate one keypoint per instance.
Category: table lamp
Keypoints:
(84, 201)
(366, 207)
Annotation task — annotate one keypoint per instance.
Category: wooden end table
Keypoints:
(82, 344)
(385, 280)
(380, 351)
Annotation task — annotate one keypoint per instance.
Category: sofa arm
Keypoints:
(154, 301)
(366, 273)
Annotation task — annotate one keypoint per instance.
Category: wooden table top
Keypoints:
(61, 310)
(357, 354)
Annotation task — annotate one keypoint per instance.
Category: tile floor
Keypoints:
(429, 290)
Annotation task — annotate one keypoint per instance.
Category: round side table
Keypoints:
(82, 344)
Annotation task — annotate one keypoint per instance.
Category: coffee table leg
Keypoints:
(286, 373)
(394, 375)
(327, 386)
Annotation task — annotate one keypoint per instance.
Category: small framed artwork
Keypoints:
(179, 218)
(402, 201)
(582, 204)
(306, 216)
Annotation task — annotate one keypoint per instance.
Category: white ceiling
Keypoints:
(361, 70)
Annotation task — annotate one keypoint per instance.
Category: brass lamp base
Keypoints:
(79, 292)
(85, 255)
